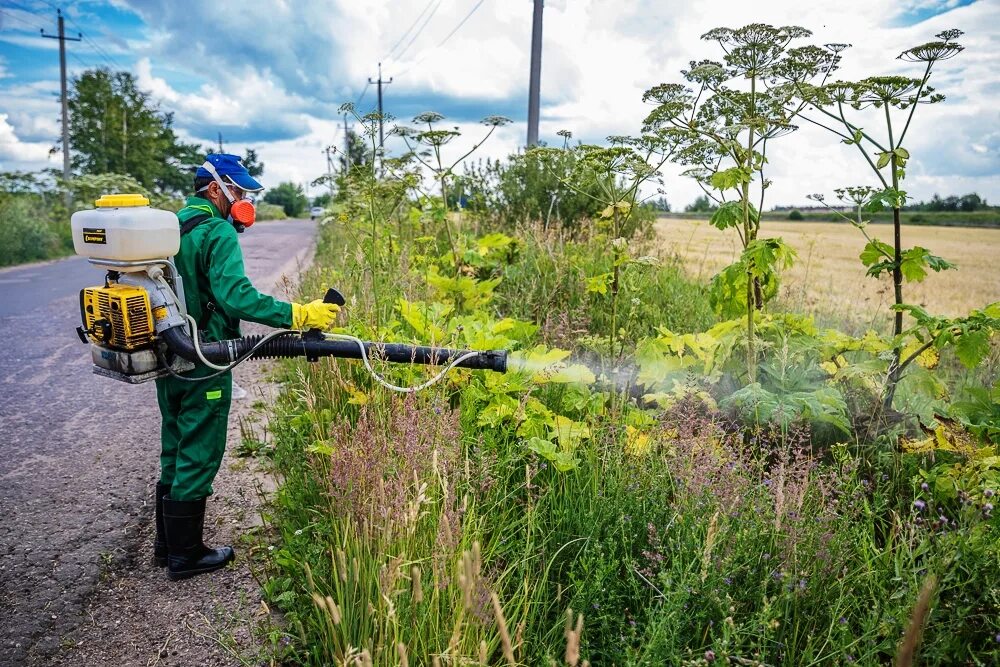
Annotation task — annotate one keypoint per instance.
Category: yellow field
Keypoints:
(829, 279)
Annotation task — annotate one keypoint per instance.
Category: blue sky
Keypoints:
(271, 74)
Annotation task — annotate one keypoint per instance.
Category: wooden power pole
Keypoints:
(535, 82)
(380, 82)
(62, 86)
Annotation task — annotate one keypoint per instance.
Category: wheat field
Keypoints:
(829, 280)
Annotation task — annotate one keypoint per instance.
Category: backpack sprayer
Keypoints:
(137, 323)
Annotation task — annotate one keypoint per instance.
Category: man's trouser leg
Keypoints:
(193, 434)
(195, 424)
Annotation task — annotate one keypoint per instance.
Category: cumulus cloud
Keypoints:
(272, 74)
(15, 153)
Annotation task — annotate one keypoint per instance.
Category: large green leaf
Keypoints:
(972, 347)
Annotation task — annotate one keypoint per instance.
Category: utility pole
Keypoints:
(380, 83)
(535, 82)
(220, 143)
(329, 169)
(347, 146)
(62, 85)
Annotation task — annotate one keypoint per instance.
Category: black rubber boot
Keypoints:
(160, 544)
(187, 555)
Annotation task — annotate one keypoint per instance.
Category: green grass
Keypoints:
(681, 537)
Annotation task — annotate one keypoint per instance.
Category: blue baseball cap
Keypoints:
(231, 167)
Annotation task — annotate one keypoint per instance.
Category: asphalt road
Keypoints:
(78, 453)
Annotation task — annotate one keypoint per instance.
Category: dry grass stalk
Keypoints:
(914, 631)
(342, 565)
(508, 649)
(483, 652)
(573, 638)
(404, 661)
(417, 588)
(706, 556)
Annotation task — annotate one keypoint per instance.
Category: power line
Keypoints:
(9, 14)
(460, 24)
(97, 47)
(362, 95)
(108, 59)
(423, 56)
(403, 36)
(420, 30)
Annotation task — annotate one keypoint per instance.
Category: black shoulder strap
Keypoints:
(210, 306)
(194, 222)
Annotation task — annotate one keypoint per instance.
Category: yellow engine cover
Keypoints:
(117, 316)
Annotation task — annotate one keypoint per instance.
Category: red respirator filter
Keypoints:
(243, 212)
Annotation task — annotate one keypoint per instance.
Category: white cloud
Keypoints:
(273, 73)
(15, 153)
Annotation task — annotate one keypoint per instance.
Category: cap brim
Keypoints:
(245, 182)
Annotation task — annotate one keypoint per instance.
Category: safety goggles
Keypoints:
(232, 191)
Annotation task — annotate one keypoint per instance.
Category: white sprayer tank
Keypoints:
(123, 228)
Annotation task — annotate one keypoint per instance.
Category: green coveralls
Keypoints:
(196, 414)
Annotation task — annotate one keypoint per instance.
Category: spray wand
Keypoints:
(223, 356)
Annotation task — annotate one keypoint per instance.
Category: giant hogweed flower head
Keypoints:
(896, 91)
(732, 111)
(805, 62)
(753, 49)
(674, 100)
(708, 73)
(496, 121)
(933, 51)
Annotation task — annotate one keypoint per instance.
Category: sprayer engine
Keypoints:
(117, 316)
(138, 327)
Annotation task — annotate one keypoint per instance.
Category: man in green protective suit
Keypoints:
(195, 410)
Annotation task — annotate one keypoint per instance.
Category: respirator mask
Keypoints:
(242, 212)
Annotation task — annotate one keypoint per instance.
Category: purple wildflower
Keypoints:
(710, 655)
(989, 493)
(924, 487)
(919, 505)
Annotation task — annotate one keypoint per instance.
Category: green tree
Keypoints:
(701, 205)
(115, 127)
(288, 196)
(253, 164)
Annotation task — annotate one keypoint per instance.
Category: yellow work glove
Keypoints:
(313, 315)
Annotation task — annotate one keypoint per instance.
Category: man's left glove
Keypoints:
(313, 315)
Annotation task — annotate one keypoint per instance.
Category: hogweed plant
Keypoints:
(426, 143)
(846, 109)
(619, 171)
(723, 120)
(374, 199)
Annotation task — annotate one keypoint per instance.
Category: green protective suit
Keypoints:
(218, 295)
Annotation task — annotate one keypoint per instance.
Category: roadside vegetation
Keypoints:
(672, 472)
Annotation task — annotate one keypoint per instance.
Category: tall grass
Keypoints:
(412, 531)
